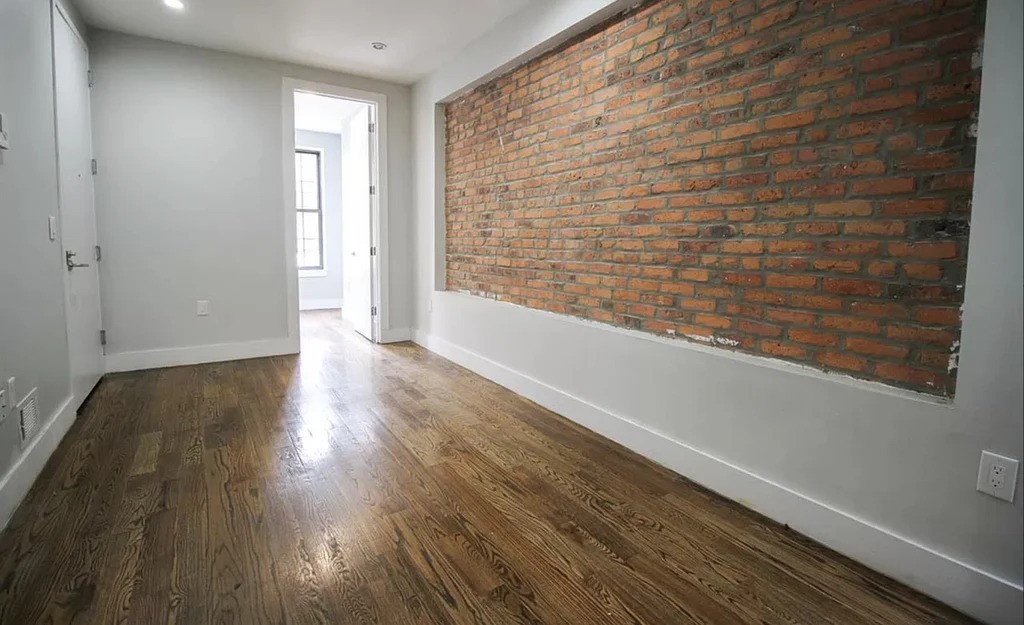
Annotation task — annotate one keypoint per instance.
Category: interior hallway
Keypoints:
(384, 484)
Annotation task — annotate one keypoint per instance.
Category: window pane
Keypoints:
(312, 225)
(307, 202)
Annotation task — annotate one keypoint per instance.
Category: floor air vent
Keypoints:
(28, 412)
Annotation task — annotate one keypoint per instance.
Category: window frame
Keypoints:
(321, 270)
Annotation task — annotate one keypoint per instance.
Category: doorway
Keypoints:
(334, 219)
(77, 205)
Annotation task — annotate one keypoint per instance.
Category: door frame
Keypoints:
(378, 209)
(59, 12)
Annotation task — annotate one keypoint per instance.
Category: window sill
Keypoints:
(312, 273)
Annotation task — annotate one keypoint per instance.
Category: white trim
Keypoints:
(313, 273)
(320, 304)
(19, 479)
(66, 14)
(218, 352)
(379, 218)
(396, 335)
(961, 585)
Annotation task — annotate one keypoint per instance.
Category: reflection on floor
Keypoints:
(383, 484)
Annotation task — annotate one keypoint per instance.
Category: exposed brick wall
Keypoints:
(791, 179)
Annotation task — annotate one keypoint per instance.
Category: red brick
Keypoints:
(883, 186)
(783, 281)
(790, 316)
(930, 249)
(851, 324)
(814, 337)
(938, 316)
(847, 286)
(883, 103)
(791, 120)
(871, 347)
(836, 360)
(921, 206)
(756, 327)
(783, 350)
(849, 208)
(935, 336)
(923, 271)
(900, 373)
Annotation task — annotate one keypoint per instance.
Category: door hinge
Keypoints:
(99, 253)
(373, 311)
(373, 127)
(103, 337)
(373, 250)
(95, 167)
(373, 190)
(92, 78)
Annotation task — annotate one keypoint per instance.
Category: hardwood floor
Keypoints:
(384, 484)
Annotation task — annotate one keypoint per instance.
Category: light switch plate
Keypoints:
(997, 475)
(202, 307)
(4, 142)
(51, 227)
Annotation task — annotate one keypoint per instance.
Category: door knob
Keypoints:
(69, 260)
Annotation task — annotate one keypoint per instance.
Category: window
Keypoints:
(309, 217)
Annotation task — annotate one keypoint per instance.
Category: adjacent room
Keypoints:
(511, 311)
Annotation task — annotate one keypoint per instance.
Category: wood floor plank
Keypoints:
(383, 484)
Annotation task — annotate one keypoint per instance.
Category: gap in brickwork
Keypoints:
(791, 180)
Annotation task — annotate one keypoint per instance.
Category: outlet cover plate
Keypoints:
(997, 475)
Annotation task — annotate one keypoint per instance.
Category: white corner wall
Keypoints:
(323, 290)
(884, 476)
(189, 200)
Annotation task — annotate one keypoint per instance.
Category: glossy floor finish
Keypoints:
(365, 484)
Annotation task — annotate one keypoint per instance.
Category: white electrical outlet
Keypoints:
(4, 406)
(997, 475)
(202, 307)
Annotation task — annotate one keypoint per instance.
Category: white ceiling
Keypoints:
(333, 34)
(323, 114)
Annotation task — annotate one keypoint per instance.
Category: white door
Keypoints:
(77, 210)
(356, 226)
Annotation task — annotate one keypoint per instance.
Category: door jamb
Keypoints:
(379, 209)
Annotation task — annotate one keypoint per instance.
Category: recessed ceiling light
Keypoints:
(177, 5)
(378, 45)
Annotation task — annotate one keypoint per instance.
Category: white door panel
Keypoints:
(356, 226)
(77, 209)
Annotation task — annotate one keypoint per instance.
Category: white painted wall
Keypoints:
(885, 476)
(189, 199)
(322, 289)
(33, 339)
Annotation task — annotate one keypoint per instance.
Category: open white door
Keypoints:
(77, 208)
(357, 225)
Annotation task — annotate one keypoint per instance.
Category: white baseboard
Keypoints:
(176, 356)
(19, 479)
(396, 335)
(319, 304)
(958, 584)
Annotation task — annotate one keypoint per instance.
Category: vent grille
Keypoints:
(28, 412)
